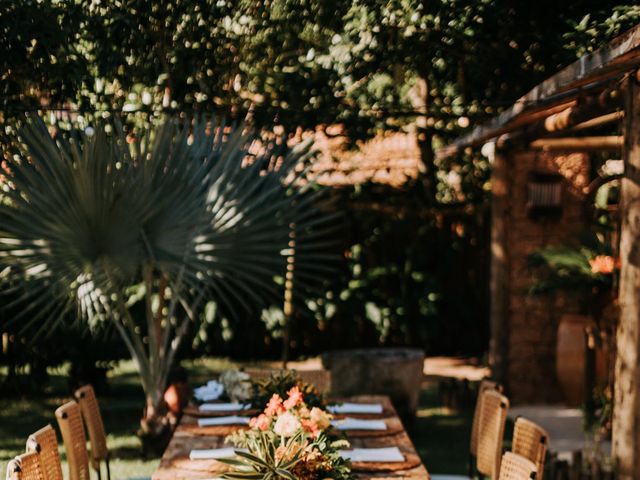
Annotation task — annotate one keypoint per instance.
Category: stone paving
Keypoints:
(564, 424)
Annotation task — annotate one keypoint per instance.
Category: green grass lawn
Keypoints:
(441, 435)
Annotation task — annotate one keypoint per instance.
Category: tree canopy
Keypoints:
(302, 64)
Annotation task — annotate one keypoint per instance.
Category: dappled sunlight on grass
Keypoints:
(440, 434)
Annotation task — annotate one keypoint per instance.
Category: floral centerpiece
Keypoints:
(289, 440)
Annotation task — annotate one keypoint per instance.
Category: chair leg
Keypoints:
(98, 472)
(108, 471)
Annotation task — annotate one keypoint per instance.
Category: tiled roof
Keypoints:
(391, 159)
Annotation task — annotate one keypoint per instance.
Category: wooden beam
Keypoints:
(583, 111)
(599, 121)
(626, 410)
(578, 113)
(482, 135)
(611, 142)
(608, 63)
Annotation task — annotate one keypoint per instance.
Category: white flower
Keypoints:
(287, 425)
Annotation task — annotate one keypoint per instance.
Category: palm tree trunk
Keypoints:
(156, 424)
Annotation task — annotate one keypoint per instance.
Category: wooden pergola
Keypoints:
(600, 88)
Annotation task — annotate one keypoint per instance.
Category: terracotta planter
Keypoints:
(396, 372)
(176, 397)
(571, 357)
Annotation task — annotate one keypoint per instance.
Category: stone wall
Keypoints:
(531, 322)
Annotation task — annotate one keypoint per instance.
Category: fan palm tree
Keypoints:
(181, 215)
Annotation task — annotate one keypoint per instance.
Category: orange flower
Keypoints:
(274, 406)
(295, 398)
(303, 411)
(311, 427)
(604, 264)
(261, 422)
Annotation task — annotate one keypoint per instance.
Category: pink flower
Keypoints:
(260, 422)
(274, 406)
(295, 398)
(287, 425)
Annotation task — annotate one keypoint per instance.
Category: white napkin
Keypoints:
(209, 392)
(212, 453)
(359, 424)
(347, 407)
(230, 420)
(223, 407)
(387, 454)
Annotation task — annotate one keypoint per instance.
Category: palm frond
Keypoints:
(84, 215)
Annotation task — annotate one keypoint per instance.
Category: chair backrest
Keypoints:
(45, 444)
(25, 467)
(86, 397)
(530, 441)
(493, 416)
(321, 379)
(485, 385)
(75, 443)
(516, 467)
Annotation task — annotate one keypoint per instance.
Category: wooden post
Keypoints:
(499, 312)
(626, 412)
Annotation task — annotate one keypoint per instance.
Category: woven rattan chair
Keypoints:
(75, 442)
(530, 441)
(25, 467)
(45, 444)
(493, 416)
(485, 385)
(86, 397)
(321, 379)
(516, 467)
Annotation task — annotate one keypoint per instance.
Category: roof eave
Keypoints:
(590, 72)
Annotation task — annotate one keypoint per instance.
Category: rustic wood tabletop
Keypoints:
(176, 465)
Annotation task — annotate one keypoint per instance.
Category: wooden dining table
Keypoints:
(176, 465)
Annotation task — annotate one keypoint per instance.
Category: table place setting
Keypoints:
(224, 407)
(349, 423)
(214, 453)
(385, 454)
(381, 459)
(228, 420)
(350, 407)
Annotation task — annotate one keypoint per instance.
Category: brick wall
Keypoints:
(532, 321)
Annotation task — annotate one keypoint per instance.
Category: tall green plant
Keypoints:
(178, 215)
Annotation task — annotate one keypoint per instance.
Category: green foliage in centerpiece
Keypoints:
(280, 383)
(288, 440)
